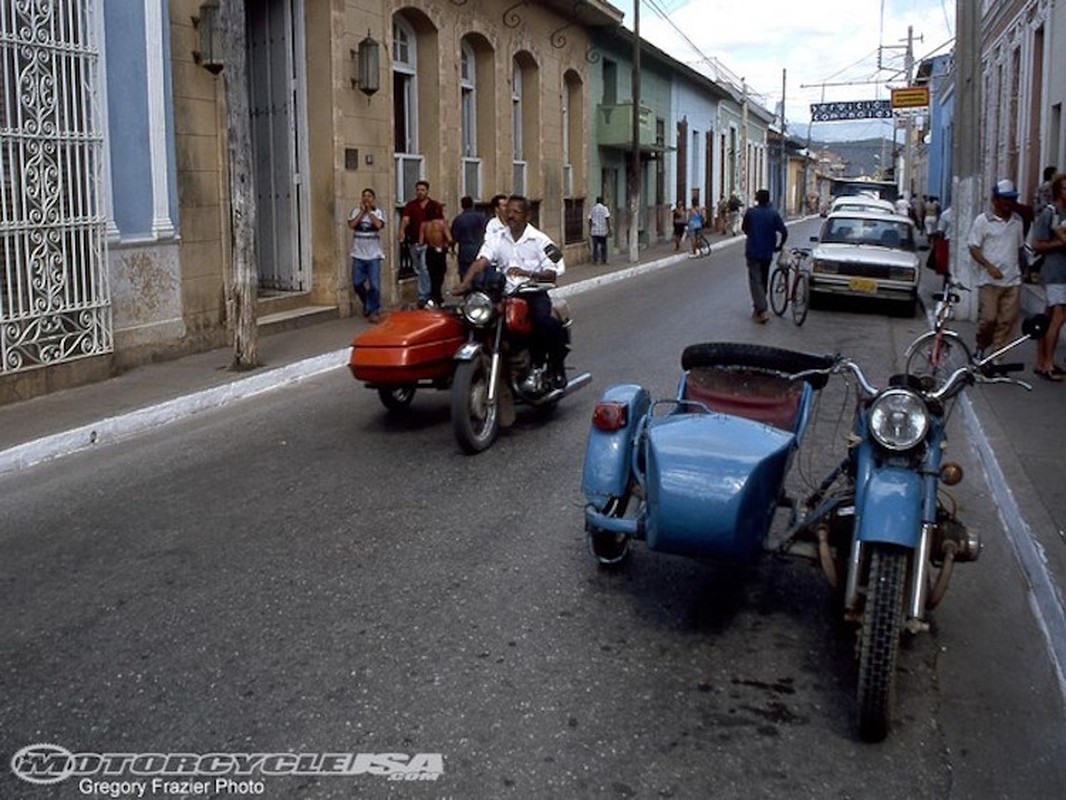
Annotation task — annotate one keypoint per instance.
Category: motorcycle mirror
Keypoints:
(1035, 326)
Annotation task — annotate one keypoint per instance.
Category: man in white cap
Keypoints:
(995, 240)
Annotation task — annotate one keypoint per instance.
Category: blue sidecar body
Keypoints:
(708, 467)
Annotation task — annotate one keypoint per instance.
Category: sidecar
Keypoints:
(699, 475)
(407, 350)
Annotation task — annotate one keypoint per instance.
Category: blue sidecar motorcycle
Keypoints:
(704, 474)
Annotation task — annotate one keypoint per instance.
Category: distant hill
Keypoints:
(861, 157)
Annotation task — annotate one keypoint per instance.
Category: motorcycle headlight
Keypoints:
(477, 308)
(899, 419)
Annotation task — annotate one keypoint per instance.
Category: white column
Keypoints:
(156, 50)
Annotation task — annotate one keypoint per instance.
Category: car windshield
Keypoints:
(880, 232)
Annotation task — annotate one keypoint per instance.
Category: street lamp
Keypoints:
(367, 66)
(209, 56)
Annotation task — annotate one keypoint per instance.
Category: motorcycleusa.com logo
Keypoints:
(49, 763)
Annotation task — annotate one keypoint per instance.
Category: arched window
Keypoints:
(407, 149)
(471, 171)
(519, 185)
(405, 86)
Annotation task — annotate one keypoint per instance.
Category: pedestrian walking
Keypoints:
(414, 213)
(996, 238)
(761, 225)
(599, 230)
(932, 214)
(1049, 240)
(468, 233)
(435, 237)
(366, 221)
(679, 224)
(694, 227)
(733, 206)
(1043, 194)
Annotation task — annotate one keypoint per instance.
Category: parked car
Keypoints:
(867, 254)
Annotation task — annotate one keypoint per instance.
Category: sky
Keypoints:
(816, 44)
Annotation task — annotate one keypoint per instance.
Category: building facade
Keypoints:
(115, 213)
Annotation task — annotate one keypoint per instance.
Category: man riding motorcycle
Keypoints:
(524, 253)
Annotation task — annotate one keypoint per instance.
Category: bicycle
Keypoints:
(790, 283)
(934, 355)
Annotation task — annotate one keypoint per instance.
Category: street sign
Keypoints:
(911, 97)
(854, 109)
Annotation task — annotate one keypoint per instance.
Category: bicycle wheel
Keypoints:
(779, 290)
(933, 357)
(801, 293)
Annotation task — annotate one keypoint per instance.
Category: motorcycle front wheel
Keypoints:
(475, 421)
(882, 627)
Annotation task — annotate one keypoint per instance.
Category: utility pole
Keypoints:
(744, 194)
(908, 145)
(634, 171)
(965, 148)
(241, 291)
(782, 201)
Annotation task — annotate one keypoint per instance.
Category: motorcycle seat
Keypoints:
(749, 393)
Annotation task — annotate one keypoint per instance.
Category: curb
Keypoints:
(113, 429)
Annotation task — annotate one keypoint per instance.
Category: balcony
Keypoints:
(614, 128)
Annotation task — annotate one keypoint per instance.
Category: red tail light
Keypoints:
(609, 416)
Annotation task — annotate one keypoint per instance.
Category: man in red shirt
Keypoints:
(414, 213)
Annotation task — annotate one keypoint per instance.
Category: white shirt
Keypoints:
(527, 253)
(943, 224)
(598, 217)
(494, 227)
(366, 240)
(999, 240)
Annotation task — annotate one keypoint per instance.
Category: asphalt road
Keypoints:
(306, 573)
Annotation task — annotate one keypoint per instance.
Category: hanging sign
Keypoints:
(855, 109)
(911, 97)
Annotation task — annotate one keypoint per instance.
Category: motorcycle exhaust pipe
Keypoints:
(944, 578)
(572, 385)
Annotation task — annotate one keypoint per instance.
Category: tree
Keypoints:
(242, 283)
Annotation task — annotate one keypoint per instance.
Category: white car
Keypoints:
(861, 203)
(867, 254)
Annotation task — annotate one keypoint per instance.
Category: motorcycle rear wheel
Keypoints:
(475, 422)
(882, 628)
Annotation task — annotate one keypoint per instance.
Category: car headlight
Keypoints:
(899, 419)
(477, 308)
(823, 266)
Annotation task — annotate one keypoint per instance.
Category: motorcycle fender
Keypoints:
(609, 454)
(468, 352)
(888, 507)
